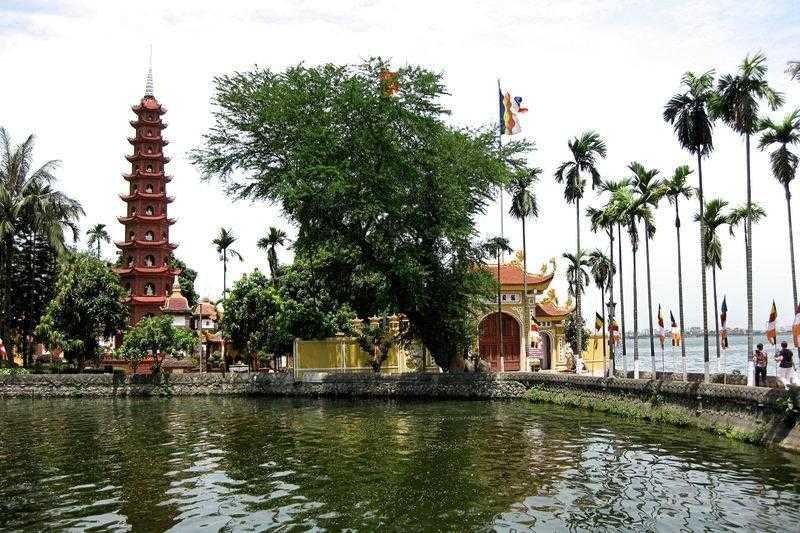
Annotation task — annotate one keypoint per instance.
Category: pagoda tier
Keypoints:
(146, 251)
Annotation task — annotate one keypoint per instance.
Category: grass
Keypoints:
(654, 409)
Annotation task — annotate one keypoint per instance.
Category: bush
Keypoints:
(15, 371)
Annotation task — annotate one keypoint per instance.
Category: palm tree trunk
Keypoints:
(680, 288)
(579, 322)
(703, 270)
(791, 243)
(28, 341)
(224, 274)
(649, 298)
(524, 363)
(603, 313)
(749, 259)
(610, 309)
(622, 303)
(716, 311)
(635, 321)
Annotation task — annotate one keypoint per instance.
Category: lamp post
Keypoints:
(611, 305)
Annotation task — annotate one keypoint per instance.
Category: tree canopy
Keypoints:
(156, 337)
(377, 175)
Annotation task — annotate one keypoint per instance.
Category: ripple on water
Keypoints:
(250, 464)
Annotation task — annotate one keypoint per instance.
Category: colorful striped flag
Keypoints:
(389, 82)
(613, 329)
(796, 327)
(676, 333)
(510, 107)
(660, 327)
(598, 327)
(772, 332)
(723, 318)
(3, 353)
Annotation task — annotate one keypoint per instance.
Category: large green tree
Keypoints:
(378, 174)
(689, 114)
(254, 319)
(156, 337)
(87, 306)
(737, 103)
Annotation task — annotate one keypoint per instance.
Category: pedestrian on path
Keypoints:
(785, 360)
(760, 360)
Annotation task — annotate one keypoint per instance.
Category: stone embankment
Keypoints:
(752, 414)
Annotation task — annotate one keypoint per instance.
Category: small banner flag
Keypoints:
(2, 350)
(772, 332)
(723, 318)
(660, 327)
(613, 329)
(510, 108)
(389, 82)
(795, 327)
(598, 327)
(676, 333)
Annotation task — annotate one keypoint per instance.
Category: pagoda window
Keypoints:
(149, 289)
(149, 149)
(149, 261)
(133, 211)
(131, 236)
(149, 236)
(130, 261)
(149, 168)
(148, 188)
(149, 133)
(149, 211)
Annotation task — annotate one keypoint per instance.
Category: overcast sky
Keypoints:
(72, 69)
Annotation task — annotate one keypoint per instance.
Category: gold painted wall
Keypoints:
(342, 354)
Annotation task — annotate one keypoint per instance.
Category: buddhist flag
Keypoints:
(598, 326)
(772, 332)
(795, 327)
(613, 329)
(723, 318)
(389, 82)
(510, 108)
(676, 332)
(660, 327)
(2, 350)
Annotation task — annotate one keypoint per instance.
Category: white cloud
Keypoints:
(72, 69)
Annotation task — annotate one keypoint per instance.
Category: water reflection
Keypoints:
(261, 464)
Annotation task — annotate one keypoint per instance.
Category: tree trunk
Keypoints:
(527, 322)
(635, 320)
(611, 360)
(716, 311)
(622, 303)
(749, 255)
(791, 243)
(703, 270)
(649, 298)
(680, 289)
(224, 274)
(579, 323)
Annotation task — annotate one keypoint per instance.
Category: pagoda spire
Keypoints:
(148, 84)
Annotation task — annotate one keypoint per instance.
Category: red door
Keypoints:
(489, 342)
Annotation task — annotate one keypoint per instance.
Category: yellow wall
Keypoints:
(341, 355)
(593, 357)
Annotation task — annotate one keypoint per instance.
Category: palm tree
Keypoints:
(496, 247)
(651, 190)
(793, 70)
(740, 215)
(223, 242)
(29, 206)
(97, 235)
(737, 103)
(585, 149)
(784, 167)
(274, 238)
(675, 188)
(602, 270)
(714, 216)
(524, 206)
(688, 112)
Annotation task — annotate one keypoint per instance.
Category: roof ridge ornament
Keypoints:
(148, 85)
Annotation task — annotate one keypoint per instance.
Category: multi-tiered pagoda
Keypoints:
(146, 250)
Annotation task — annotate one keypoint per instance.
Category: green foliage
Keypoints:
(377, 339)
(186, 280)
(383, 179)
(254, 320)
(156, 337)
(87, 305)
(571, 334)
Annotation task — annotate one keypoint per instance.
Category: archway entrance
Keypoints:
(489, 342)
(544, 344)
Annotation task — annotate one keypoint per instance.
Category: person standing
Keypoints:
(760, 361)
(785, 360)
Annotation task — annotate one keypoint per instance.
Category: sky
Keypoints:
(72, 69)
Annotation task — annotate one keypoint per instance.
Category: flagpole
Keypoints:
(500, 148)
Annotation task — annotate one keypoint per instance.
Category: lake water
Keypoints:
(735, 356)
(209, 464)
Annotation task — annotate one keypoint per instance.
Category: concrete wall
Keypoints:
(749, 413)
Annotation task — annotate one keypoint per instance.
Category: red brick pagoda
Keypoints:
(146, 251)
